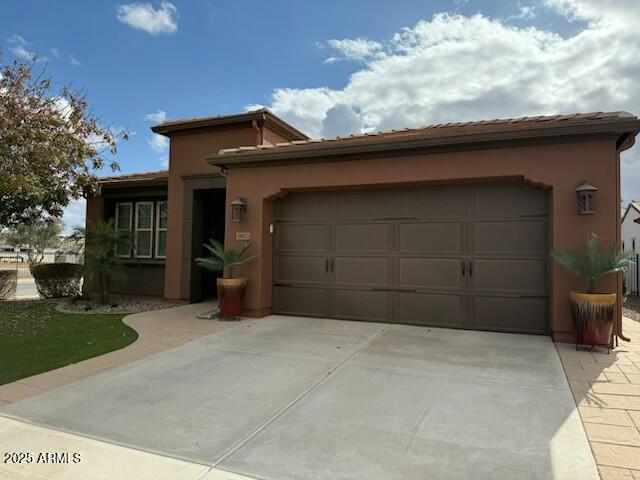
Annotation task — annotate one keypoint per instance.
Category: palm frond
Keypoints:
(596, 262)
(222, 259)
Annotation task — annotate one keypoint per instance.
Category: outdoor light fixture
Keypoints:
(238, 209)
(586, 194)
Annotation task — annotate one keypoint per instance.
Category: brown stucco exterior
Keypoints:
(560, 167)
(557, 163)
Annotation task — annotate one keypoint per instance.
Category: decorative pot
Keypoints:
(231, 296)
(593, 315)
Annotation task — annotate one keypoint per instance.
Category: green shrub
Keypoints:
(55, 280)
(8, 283)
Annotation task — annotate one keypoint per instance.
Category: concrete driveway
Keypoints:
(296, 398)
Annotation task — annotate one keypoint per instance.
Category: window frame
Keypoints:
(136, 229)
(159, 229)
(118, 229)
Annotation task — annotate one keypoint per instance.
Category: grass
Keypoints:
(35, 338)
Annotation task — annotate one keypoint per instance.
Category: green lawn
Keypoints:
(34, 338)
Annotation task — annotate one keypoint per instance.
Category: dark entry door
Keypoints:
(465, 256)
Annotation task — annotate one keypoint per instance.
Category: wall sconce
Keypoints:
(586, 195)
(238, 209)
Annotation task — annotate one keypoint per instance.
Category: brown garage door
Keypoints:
(464, 256)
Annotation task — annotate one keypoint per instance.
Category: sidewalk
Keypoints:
(606, 389)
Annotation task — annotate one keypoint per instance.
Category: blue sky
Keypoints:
(332, 67)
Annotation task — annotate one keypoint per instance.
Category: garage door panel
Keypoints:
(510, 275)
(306, 207)
(362, 305)
(397, 255)
(300, 269)
(509, 200)
(363, 204)
(432, 203)
(305, 301)
(430, 272)
(362, 238)
(361, 271)
(430, 237)
(511, 237)
(430, 309)
(528, 315)
(302, 238)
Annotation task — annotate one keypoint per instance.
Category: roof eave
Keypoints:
(259, 115)
(115, 183)
(291, 153)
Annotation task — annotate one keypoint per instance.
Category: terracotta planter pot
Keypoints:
(593, 315)
(231, 296)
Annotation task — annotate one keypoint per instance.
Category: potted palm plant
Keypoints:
(593, 311)
(230, 288)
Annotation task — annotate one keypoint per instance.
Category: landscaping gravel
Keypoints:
(117, 305)
(631, 308)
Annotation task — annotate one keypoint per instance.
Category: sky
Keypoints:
(331, 67)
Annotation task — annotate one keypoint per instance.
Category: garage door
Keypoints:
(464, 256)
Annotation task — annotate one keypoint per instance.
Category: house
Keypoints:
(630, 229)
(449, 225)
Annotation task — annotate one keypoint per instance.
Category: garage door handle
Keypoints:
(326, 265)
(463, 267)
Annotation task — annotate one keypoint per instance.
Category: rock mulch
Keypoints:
(117, 305)
(631, 308)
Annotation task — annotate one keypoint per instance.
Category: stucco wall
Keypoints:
(188, 154)
(561, 167)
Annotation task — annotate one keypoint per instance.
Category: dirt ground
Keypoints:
(631, 308)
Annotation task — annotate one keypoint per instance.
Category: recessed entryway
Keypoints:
(463, 256)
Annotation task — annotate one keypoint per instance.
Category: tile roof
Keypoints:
(442, 130)
(261, 114)
(134, 177)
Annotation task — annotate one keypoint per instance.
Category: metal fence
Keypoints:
(632, 277)
(19, 261)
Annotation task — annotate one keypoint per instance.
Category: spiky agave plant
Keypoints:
(224, 260)
(595, 263)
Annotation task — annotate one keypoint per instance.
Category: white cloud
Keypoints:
(354, 49)
(525, 12)
(157, 117)
(158, 142)
(19, 49)
(74, 215)
(144, 16)
(460, 68)
(253, 107)
(341, 120)
(74, 61)
(55, 52)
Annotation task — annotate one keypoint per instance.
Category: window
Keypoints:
(123, 224)
(144, 229)
(161, 229)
